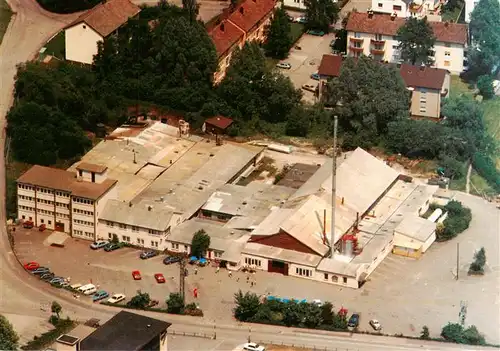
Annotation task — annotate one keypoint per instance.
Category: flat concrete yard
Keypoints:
(403, 294)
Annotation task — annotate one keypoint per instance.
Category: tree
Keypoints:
(278, 35)
(320, 14)
(8, 337)
(61, 6)
(485, 86)
(192, 8)
(175, 303)
(477, 266)
(139, 301)
(312, 315)
(472, 336)
(200, 243)
(327, 314)
(484, 28)
(114, 239)
(247, 305)
(457, 221)
(424, 334)
(453, 332)
(416, 40)
(56, 308)
(367, 96)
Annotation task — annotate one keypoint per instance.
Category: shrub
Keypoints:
(456, 333)
(425, 333)
(458, 220)
(175, 303)
(477, 266)
(139, 301)
(485, 86)
(247, 305)
(485, 166)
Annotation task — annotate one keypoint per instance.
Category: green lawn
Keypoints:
(55, 46)
(451, 16)
(5, 14)
(297, 29)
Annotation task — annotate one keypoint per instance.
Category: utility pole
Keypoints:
(334, 186)
(458, 259)
(182, 265)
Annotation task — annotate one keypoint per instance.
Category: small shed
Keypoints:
(217, 124)
(413, 236)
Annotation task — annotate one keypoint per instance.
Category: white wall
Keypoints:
(133, 235)
(336, 279)
(263, 261)
(81, 43)
(298, 4)
(429, 242)
(87, 176)
(379, 258)
(390, 6)
(292, 271)
(449, 57)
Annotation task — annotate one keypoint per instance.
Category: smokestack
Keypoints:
(324, 227)
(334, 186)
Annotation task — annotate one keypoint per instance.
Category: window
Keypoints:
(447, 63)
(175, 246)
(447, 53)
(303, 272)
(151, 231)
(42, 220)
(326, 276)
(122, 226)
(253, 262)
(154, 243)
(396, 7)
(423, 109)
(185, 247)
(140, 241)
(23, 217)
(344, 280)
(50, 222)
(380, 5)
(357, 35)
(110, 224)
(335, 279)
(378, 36)
(135, 229)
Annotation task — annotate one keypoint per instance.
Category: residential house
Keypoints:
(103, 20)
(399, 7)
(374, 35)
(65, 201)
(247, 22)
(405, 8)
(428, 86)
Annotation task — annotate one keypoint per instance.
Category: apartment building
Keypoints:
(65, 201)
(428, 87)
(247, 22)
(138, 225)
(399, 7)
(374, 35)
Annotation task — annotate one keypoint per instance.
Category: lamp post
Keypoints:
(215, 331)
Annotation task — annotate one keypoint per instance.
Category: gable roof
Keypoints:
(219, 121)
(330, 65)
(125, 331)
(224, 36)
(108, 16)
(383, 24)
(250, 12)
(59, 179)
(423, 77)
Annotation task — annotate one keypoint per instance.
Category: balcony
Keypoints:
(355, 48)
(356, 40)
(377, 51)
(377, 42)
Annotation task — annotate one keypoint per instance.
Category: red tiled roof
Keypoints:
(224, 36)
(219, 121)
(423, 77)
(250, 12)
(383, 24)
(330, 65)
(108, 16)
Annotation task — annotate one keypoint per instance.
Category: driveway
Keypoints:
(306, 61)
(421, 292)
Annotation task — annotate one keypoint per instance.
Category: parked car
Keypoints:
(99, 295)
(111, 247)
(116, 298)
(31, 266)
(284, 65)
(56, 280)
(28, 224)
(172, 259)
(148, 254)
(309, 87)
(40, 270)
(290, 18)
(159, 278)
(332, 43)
(301, 19)
(315, 76)
(153, 303)
(99, 244)
(251, 346)
(136, 275)
(375, 324)
(42, 227)
(353, 321)
(318, 33)
(318, 302)
(47, 276)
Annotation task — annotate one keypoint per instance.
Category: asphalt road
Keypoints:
(23, 294)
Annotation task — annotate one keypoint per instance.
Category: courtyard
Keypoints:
(403, 294)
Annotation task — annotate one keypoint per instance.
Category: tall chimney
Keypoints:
(334, 186)
(324, 227)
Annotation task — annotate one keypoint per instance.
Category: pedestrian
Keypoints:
(195, 270)
(238, 279)
(230, 274)
(248, 278)
(217, 270)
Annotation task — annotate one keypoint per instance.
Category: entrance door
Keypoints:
(59, 227)
(277, 267)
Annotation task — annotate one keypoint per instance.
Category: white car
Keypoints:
(375, 324)
(284, 65)
(309, 87)
(251, 346)
(98, 244)
(318, 302)
(116, 298)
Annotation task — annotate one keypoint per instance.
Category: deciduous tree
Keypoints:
(247, 305)
(140, 300)
(320, 14)
(200, 243)
(485, 86)
(192, 8)
(278, 35)
(477, 266)
(416, 40)
(8, 337)
(175, 303)
(56, 308)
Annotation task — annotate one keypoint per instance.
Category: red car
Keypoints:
(31, 266)
(159, 278)
(136, 275)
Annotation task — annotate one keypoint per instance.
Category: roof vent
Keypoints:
(393, 16)
(130, 204)
(150, 207)
(242, 10)
(244, 202)
(149, 325)
(446, 24)
(370, 13)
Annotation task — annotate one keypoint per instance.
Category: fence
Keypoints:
(193, 334)
(298, 345)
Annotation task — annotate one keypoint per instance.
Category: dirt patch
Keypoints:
(285, 348)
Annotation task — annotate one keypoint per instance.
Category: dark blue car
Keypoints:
(172, 259)
(148, 254)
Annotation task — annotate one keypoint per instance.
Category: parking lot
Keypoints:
(306, 61)
(404, 294)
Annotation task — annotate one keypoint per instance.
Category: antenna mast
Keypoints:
(334, 186)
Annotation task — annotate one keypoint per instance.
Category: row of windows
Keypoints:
(50, 213)
(253, 262)
(60, 193)
(43, 201)
(126, 239)
(43, 221)
(335, 279)
(62, 215)
(175, 247)
(26, 187)
(45, 191)
(133, 228)
(83, 201)
(303, 272)
(77, 221)
(82, 233)
(28, 198)
(26, 208)
(87, 213)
